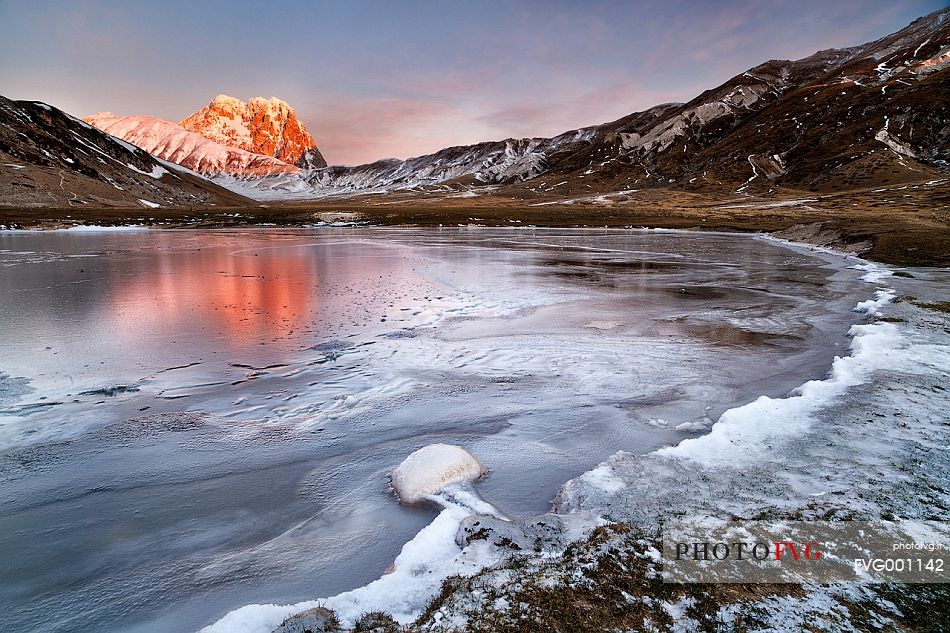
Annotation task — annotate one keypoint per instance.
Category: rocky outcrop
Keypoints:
(262, 126)
(317, 620)
(376, 622)
(322, 620)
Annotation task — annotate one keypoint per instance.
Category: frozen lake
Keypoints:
(195, 420)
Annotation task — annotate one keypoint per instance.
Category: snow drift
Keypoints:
(440, 472)
(432, 468)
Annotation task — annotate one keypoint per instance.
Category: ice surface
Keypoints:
(888, 425)
(749, 433)
(433, 473)
(282, 375)
(821, 452)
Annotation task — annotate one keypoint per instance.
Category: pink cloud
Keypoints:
(358, 130)
(579, 109)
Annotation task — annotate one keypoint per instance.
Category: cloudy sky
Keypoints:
(398, 79)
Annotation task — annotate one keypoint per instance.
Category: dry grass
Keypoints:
(909, 227)
(940, 306)
(608, 583)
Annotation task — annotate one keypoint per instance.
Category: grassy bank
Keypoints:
(906, 227)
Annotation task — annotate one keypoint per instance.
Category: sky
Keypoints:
(396, 79)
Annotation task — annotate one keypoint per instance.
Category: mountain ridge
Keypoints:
(839, 119)
(51, 159)
(716, 141)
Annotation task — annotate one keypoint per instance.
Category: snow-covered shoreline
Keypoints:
(737, 442)
(615, 490)
(80, 228)
(875, 450)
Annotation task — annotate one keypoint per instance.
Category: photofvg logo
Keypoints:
(709, 550)
(742, 550)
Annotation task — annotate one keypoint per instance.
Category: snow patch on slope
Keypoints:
(894, 143)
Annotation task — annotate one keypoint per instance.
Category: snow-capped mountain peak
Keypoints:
(262, 126)
(173, 143)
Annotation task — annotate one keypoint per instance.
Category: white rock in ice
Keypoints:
(432, 468)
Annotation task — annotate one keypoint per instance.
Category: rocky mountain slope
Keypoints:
(463, 167)
(475, 165)
(870, 115)
(263, 126)
(173, 143)
(51, 159)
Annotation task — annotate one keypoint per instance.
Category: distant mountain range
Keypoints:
(873, 114)
(870, 115)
